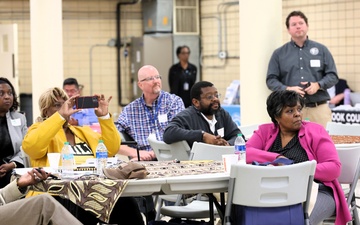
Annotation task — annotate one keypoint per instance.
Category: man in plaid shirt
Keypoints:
(148, 114)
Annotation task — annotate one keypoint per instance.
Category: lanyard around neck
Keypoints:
(148, 112)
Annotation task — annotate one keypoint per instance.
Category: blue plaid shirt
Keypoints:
(139, 120)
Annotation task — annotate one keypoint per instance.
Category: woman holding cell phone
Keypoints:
(52, 129)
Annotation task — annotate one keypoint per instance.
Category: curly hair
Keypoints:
(15, 104)
(48, 99)
(278, 100)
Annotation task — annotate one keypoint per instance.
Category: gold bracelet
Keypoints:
(14, 164)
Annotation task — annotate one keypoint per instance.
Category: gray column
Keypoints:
(260, 34)
(46, 47)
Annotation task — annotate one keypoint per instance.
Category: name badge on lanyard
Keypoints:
(157, 107)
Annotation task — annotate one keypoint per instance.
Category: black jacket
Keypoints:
(189, 124)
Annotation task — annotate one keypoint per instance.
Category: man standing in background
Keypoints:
(85, 116)
(306, 67)
(182, 76)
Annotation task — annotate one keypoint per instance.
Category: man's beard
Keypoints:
(209, 110)
(156, 90)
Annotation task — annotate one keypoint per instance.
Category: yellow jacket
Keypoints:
(49, 136)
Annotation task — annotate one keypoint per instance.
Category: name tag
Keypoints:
(186, 86)
(16, 122)
(315, 63)
(163, 118)
(221, 132)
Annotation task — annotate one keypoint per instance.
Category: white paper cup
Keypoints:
(54, 159)
(228, 160)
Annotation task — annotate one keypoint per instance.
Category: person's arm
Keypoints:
(36, 142)
(330, 76)
(18, 187)
(173, 81)
(16, 139)
(132, 153)
(109, 133)
(178, 129)
(328, 165)
(273, 74)
(255, 146)
(337, 99)
(273, 77)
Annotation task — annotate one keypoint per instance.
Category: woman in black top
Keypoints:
(12, 131)
(182, 76)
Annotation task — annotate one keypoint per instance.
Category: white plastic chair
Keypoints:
(199, 209)
(265, 186)
(343, 129)
(165, 152)
(178, 150)
(203, 151)
(248, 130)
(350, 173)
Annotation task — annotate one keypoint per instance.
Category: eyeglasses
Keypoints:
(211, 97)
(58, 104)
(157, 77)
(3, 93)
(71, 91)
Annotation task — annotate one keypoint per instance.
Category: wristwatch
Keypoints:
(202, 133)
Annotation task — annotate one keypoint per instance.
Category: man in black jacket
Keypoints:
(204, 121)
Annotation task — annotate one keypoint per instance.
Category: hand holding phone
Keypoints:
(50, 175)
(85, 102)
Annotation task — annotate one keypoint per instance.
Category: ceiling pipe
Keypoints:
(118, 47)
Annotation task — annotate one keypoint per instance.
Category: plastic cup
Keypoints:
(228, 160)
(54, 159)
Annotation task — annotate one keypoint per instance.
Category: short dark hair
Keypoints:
(195, 91)
(295, 13)
(15, 104)
(178, 50)
(71, 81)
(278, 100)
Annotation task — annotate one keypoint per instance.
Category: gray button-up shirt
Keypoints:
(290, 64)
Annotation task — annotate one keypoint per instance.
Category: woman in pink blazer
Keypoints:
(290, 137)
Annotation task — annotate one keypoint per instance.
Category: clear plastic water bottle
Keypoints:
(240, 148)
(101, 157)
(67, 160)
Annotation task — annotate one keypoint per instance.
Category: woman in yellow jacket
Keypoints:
(52, 129)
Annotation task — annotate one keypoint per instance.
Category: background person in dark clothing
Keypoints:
(304, 66)
(182, 76)
(204, 121)
(340, 87)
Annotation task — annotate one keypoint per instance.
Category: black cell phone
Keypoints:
(86, 102)
(52, 176)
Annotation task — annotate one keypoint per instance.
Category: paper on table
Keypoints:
(22, 171)
(73, 175)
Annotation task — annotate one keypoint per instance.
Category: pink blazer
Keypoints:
(318, 145)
